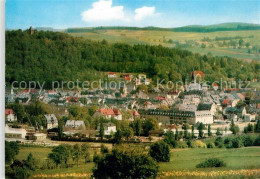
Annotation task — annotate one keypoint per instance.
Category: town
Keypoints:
(44, 117)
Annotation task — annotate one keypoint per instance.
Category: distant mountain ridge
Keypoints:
(191, 28)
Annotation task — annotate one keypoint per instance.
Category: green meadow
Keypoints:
(181, 160)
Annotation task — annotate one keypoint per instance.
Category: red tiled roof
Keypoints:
(72, 99)
(215, 84)
(225, 101)
(135, 113)
(51, 91)
(160, 98)
(106, 112)
(198, 73)
(127, 78)
(173, 92)
(111, 73)
(9, 111)
(258, 106)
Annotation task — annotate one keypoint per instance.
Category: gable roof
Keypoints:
(107, 112)
(204, 106)
(51, 118)
(9, 111)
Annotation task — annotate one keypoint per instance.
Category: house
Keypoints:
(111, 75)
(17, 133)
(109, 128)
(52, 121)
(197, 75)
(249, 117)
(173, 94)
(109, 113)
(9, 115)
(207, 107)
(215, 86)
(135, 114)
(240, 112)
(75, 124)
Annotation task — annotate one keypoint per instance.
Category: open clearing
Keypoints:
(154, 37)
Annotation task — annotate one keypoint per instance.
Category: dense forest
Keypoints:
(54, 56)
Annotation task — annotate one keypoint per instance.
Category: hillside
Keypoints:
(192, 28)
(54, 56)
(229, 39)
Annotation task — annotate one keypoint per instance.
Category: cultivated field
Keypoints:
(188, 40)
(239, 162)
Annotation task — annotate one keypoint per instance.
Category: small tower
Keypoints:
(31, 30)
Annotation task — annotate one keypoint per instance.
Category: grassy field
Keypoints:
(182, 160)
(153, 37)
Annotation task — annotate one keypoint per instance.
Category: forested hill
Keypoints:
(51, 56)
(191, 28)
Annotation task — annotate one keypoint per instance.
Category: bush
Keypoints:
(211, 162)
(121, 163)
(248, 141)
(198, 144)
(219, 142)
(160, 151)
(211, 145)
(182, 145)
(227, 141)
(237, 143)
(257, 141)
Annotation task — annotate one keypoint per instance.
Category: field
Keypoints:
(187, 40)
(183, 161)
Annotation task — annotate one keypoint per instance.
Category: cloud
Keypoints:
(143, 12)
(103, 11)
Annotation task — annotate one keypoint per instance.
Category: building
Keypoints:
(109, 128)
(75, 124)
(17, 133)
(52, 121)
(249, 117)
(109, 113)
(111, 75)
(9, 115)
(180, 117)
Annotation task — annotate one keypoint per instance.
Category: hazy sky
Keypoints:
(161, 13)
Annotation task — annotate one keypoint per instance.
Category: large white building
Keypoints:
(52, 121)
(17, 133)
(109, 128)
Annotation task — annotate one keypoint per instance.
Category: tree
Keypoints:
(218, 132)
(149, 124)
(257, 126)
(60, 154)
(30, 162)
(118, 137)
(11, 150)
(122, 163)
(127, 132)
(200, 128)
(137, 127)
(209, 130)
(160, 151)
(192, 132)
(233, 128)
(76, 153)
(101, 131)
(240, 104)
(85, 152)
(169, 138)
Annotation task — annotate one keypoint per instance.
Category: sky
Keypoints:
(60, 14)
